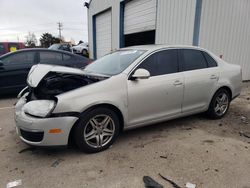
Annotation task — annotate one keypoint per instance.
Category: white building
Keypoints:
(222, 26)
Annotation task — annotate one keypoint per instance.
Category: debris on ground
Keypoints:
(27, 149)
(170, 181)
(190, 185)
(150, 183)
(245, 134)
(14, 183)
(244, 119)
(57, 162)
(164, 157)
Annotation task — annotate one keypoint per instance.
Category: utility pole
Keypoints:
(60, 28)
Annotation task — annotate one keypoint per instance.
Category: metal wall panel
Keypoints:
(225, 30)
(98, 6)
(175, 21)
(103, 33)
(139, 16)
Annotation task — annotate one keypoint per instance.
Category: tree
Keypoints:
(31, 40)
(48, 39)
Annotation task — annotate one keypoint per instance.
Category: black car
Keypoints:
(15, 66)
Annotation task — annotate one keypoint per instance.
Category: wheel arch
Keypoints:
(104, 105)
(227, 89)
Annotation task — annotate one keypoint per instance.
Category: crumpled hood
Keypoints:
(37, 72)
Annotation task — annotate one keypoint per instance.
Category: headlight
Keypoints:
(39, 108)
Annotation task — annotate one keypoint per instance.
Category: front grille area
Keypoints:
(32, 136)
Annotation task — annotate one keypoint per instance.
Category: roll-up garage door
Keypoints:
(103, 33)
(139, 16)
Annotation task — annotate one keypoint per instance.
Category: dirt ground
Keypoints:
(208, 153)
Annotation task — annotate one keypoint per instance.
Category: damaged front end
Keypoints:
(46, 81)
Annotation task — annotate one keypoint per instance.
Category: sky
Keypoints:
(19, 17)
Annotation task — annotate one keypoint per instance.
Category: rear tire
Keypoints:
(219, 105)
(96, 130)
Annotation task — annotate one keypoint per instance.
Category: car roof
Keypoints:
(42, 49)
(160, 46)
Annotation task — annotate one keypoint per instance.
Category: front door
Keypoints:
(160, 96)
(14, 70)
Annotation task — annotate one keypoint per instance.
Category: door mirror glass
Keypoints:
(141, 74)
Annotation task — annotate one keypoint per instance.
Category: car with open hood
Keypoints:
(128, 88)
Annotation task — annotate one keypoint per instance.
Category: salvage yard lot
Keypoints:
(208, 153)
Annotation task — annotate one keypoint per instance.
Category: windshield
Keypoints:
(114, 63)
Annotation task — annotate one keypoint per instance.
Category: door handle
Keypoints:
(177, 82)
(213, 77)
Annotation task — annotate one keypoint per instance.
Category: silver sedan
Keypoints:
(128, 88)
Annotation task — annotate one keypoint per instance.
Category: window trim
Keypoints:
(131, 72)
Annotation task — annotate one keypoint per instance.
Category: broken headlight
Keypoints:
(39, 108)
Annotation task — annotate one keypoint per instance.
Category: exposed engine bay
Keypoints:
(55, 83)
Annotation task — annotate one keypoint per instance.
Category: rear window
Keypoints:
(50, 57)
(193, 59)
(210, 61)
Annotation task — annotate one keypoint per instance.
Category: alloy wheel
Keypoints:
(99, 131)
(221, 104)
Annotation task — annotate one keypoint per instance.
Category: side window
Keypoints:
(160, 63)
(20, 58)
(193, 59)
(66, 57)
(50, 57)
(210, 61)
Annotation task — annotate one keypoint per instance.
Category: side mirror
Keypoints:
(140, 74)
(1, 63)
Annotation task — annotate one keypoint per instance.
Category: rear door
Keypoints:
(160, 96)
(15, 68)
(200, 80)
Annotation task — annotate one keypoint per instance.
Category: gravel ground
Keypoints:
(208, 153)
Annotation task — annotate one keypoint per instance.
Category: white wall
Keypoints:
(224, 27)
(175, 21)
(225, 30)
(98, 6)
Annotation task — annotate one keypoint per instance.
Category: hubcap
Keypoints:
(221, 104)
(99, 131)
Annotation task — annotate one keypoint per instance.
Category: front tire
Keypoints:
(219, 105)
(96, 130)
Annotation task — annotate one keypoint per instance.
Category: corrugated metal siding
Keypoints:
(225, 30)
(103, 33)
(175, 21)
(139, 15)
